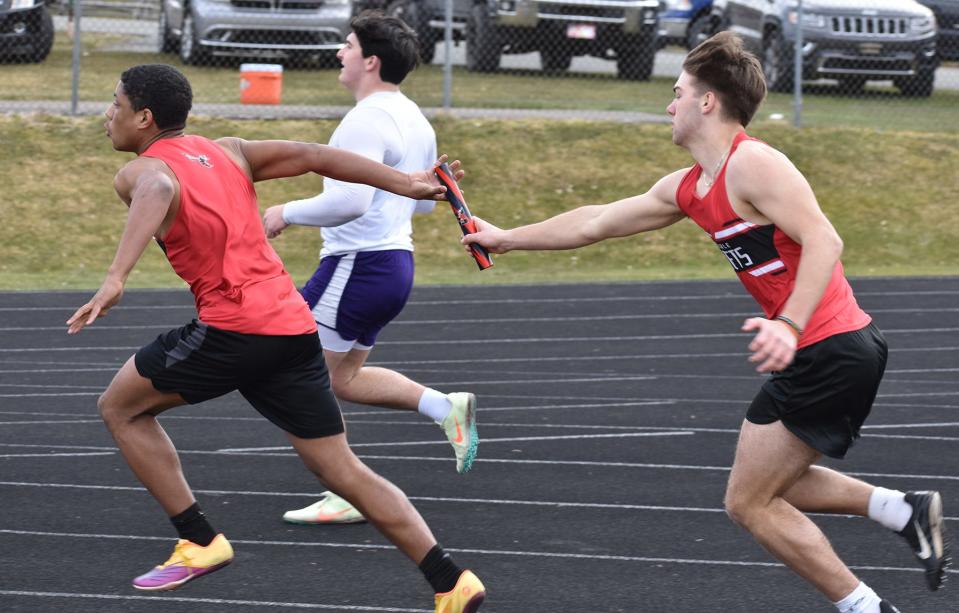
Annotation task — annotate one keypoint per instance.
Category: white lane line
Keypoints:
(524, 341)
(431, 499)
(501, 359)
(734, 292)
(51, 421)
(485, 441)
(440, 384)
(55, 455)
(491, 552)
(498, 320)
(217, 601)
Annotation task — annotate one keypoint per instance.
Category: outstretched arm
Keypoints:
(274, 159)
(590, 224)
(149, 192)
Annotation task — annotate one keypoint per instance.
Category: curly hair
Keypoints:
(161, 88)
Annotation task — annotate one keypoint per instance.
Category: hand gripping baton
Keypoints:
(462, 213)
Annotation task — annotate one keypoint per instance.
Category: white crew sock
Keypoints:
(436, 405)
(861, 600)
(889, 508)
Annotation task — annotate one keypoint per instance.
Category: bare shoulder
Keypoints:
(665, 188)
(757, 157)
(133, 171)
(235, 148)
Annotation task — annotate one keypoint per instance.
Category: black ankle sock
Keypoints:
(439, 570)
(193, 526)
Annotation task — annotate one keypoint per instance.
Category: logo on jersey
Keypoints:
(201, 159)
(750, 248)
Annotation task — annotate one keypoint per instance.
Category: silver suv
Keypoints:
(852, 41)
(279, 29)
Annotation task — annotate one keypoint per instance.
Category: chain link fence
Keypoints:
(866, 63)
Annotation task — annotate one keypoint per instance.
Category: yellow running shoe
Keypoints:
(188, 562)
(460, 429)
(331, 509)
(465, 597)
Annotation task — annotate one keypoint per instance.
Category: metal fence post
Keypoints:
(448, 59)
(797, 69)
(77, 35)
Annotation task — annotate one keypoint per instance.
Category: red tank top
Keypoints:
(217, 245)
(766, 259)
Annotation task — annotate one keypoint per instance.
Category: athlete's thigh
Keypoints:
(343, 365)
(769, 460)
(329, 457)
(130, 393)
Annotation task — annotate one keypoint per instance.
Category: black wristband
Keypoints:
(791, 324)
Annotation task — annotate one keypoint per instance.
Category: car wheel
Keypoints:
(919, 86)
(777, 63)
(483, 46)
(167, 43)
(699, 29)
(556, 57)
(412, 13)
(44, 39)
(635, 57)
(191, 51)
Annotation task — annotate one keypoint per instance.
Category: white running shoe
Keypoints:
(331, 509)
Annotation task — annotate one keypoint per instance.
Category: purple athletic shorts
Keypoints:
(357, 294)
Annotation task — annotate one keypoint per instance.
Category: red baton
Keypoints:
(462, 213)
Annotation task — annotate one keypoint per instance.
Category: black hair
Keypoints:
(389, 39)
(161, 88)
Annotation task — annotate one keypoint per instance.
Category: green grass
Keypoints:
(101, 67)
(890, 194)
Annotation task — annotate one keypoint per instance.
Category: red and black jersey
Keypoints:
(217, 244)
(765, 258)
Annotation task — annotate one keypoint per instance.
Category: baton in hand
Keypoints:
(462, 213)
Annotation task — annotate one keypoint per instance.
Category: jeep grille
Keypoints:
(285, 5)
(870, 26)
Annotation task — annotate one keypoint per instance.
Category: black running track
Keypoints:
(608, 417)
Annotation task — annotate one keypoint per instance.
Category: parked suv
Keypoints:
(26, 30)
(685, 22)
(291, 29)
(947, 16)
(559, 29)
(853, 41)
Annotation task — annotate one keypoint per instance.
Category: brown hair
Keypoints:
(722, 65)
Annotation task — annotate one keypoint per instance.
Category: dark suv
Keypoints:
(26, 30)
(947, 16)
(852, 41)
(624, 30)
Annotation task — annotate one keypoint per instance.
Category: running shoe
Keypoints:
(460, 429)
(188, 562)
(886, 607)
(925, 533)
(331, 509)
(465, 597)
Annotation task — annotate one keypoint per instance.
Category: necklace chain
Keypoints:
(709, 182)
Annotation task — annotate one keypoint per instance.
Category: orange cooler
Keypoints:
(261, 83)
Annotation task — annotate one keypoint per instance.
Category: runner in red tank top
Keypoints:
(825, 355)
(254, 332)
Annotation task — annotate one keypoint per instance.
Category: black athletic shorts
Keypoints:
(824, 396)
(283, 377)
